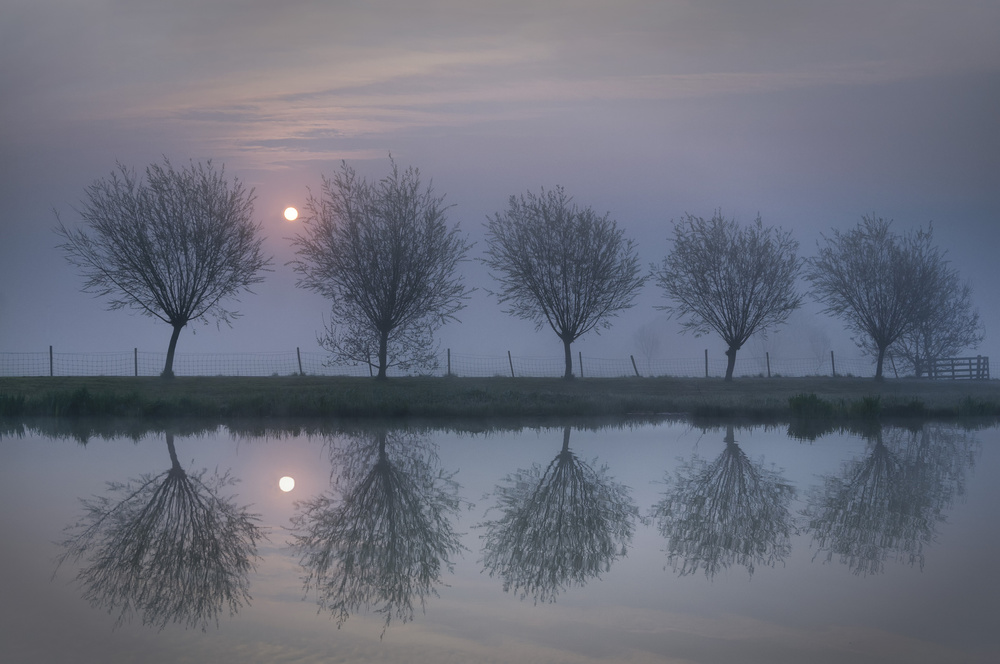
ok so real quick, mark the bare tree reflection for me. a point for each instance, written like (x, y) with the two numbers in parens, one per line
(559, 526)
(165, 547)
(887, 505)
(730, 511)
(380, 538)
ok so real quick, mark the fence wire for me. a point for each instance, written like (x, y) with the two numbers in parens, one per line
(295, 362)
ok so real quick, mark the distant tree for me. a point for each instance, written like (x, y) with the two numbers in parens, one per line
(948, 323)
(385, 257)
(173, 246)
(817, 340)
(882, 284)
(734, 280)
(560, 265)
(647, 340)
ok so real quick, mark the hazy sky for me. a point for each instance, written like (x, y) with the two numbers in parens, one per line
(809, 113)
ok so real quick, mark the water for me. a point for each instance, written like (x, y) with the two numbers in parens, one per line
(652, 543)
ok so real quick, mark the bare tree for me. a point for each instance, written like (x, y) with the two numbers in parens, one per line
(557, 527)
(948, 324)
(384, 255)
(380, 538)
(882, 284)
(174, 246)
(734, 280)
(647, 340)
(732, 510)
(818, 342)
(887, 505)
(561, 265)
(166, 547)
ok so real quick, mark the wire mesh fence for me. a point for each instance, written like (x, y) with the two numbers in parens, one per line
(296, 362)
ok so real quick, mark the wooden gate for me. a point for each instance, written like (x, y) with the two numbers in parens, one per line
(974, 368)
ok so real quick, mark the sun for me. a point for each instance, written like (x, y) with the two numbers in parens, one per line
(291, 214)
(286, 484)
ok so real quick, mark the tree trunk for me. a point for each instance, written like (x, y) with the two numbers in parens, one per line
(569, 359)
(878, 363)
(168, 368)
(175, 464)
(731, 363)
(383, 355)
(382, 456)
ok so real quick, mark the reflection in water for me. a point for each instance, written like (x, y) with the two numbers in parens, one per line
(886, 506)
(165, 547)
(380, 538)
(949, 612)
(557, 527)
(730, 511)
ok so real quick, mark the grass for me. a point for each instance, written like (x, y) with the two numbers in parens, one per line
(760, 399)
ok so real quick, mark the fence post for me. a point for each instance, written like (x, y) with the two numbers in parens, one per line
(51, 366)
(580, 355)
(511, 362)
(449, 363)
(833, 365)
(767, 356)
(706, 363)
(298, 354)
(634, 368)
(135, 357)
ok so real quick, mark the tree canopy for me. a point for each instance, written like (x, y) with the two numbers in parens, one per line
(557, 527)
(561, 265)
(168, 548)
(947, 324)
(384, 255)
(735, 280)
(380, 538)
(887, 504)
(174, 246)
(729, 511)
(886, 286)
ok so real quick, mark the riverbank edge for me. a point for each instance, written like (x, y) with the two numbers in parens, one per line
(758, 399)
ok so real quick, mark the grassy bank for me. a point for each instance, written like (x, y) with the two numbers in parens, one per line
(220, 398)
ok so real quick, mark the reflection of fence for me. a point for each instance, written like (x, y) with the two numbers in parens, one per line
(141, 363)
(975, 368)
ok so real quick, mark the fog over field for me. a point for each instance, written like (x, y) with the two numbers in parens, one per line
(809, 114)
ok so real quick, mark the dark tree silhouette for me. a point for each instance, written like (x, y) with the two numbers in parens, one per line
(948, 323)
(381, 538)
(557, 526)
(887, 505)
(730, 511)
(174, 246)
(165, 547)
(384, 255)
(880, 283)
(737, 281)
(560, 265)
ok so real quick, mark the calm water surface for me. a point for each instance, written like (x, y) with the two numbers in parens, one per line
(656, 543)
